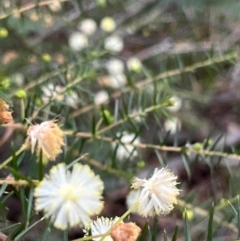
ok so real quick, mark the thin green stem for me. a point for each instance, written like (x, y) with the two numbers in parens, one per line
(199, 211)
(131, 116)
(10, 158)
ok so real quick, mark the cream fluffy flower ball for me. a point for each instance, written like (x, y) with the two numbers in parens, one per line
(46, 137)
(157, 194)
(114, 43)
(69, 198)
(108, 24)
(88, 26)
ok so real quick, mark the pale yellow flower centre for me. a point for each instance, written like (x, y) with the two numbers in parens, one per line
(68, 193)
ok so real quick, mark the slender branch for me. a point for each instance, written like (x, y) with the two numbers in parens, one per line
(186, 149)
(35, 114)
(13, 182)
(47, 76)
(164, 75)
(86, 135)
(29, 7)
(131, 116)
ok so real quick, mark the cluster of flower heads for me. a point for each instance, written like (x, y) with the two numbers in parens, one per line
(113, 229)
(113, 43)
(79, 39)
(70, 195)
(58, 93)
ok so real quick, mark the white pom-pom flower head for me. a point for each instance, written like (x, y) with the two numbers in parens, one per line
(78, 41)
(69, 198)
(101, 226)
(157, 194)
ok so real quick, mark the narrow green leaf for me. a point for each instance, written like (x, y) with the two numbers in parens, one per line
(75, 161)
(3, 188)
(187, 230)
(233, 208)
(144, 233)
(46, 232)
(27, 111)
(6, 198)
(238, 217)
(154, 229)
(40, 166)
(17, 231)
(93, 125)
(65, 235)
(19, 175)
(29, 206)
(73, 147)
(165, 235)
(22, 234)
(186, 164)
(14, 160)
(165, 139)
(23, 201)
(130, 101)
(210, 224)
(175, 234)
(5, 98)
(9, 227)
(116, 110)
(215, 143)
(160, 159)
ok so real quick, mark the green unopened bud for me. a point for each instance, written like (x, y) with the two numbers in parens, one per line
(102, 3)
(223, 201)
(3, 33)
(5, 83)
(38, 102)
(208, 142)
(107, 116)
(189, 214)
(21, 94)
(141, 164)
(134, 64)
(46, 57)
(197, 146)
